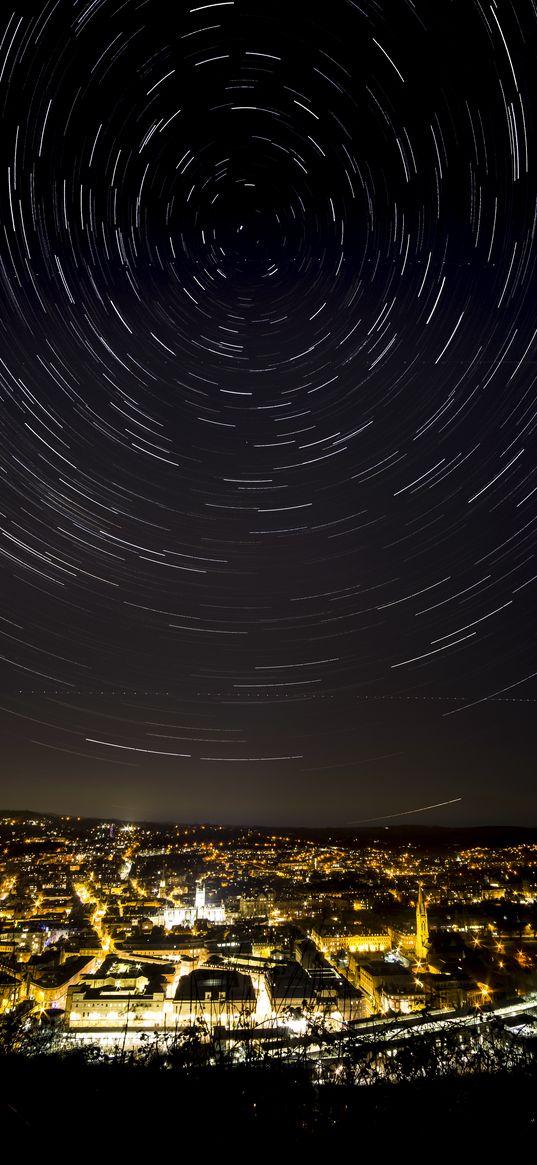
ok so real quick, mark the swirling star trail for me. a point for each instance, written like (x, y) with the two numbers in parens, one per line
(267, 378)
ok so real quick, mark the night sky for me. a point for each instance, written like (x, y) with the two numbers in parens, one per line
(268, 403)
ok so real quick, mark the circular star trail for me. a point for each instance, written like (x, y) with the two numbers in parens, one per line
(267, 527)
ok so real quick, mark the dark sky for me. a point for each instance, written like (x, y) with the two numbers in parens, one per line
(267, 367)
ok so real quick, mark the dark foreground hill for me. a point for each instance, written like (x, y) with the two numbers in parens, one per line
(253, 1113)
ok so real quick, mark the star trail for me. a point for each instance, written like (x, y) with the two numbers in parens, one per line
(267, 373)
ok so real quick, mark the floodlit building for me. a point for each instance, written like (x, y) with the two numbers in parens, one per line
(218, 995)
(335, 937)
(450, 991)
(288, 986)
(171, 916)
(391, 987)
(122, 994)
(49, 986)
(258, 907)
(188, 915)
(321, 991)
(181, 948)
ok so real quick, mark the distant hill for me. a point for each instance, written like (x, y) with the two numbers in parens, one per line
(428, 836)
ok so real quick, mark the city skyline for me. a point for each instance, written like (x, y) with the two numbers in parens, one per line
(268, 484)
(377, 965)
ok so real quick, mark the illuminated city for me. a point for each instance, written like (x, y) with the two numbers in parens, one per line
(112, 932)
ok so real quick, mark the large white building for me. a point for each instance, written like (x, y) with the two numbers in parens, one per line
(123, 992)
(187, 915)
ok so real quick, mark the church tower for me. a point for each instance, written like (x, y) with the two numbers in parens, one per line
(422, 928)
(199, 901)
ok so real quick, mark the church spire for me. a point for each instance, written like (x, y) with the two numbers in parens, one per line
(422, 927)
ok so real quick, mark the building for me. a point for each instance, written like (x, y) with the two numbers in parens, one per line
(258, 907)
(217, 995)
(12, 990)
(288, 987)
(335, 937)
(422, 928)
(187, 915)
(181, 948)
(403, 938)
(334, 996)
(49, 985)
(170, 916)
(333, 993)
(123, 995)
(450, 992)
(391, 987)
(321, 992)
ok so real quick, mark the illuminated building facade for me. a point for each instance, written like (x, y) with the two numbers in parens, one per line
(218, 995)
(136, 995)
(330, 939)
